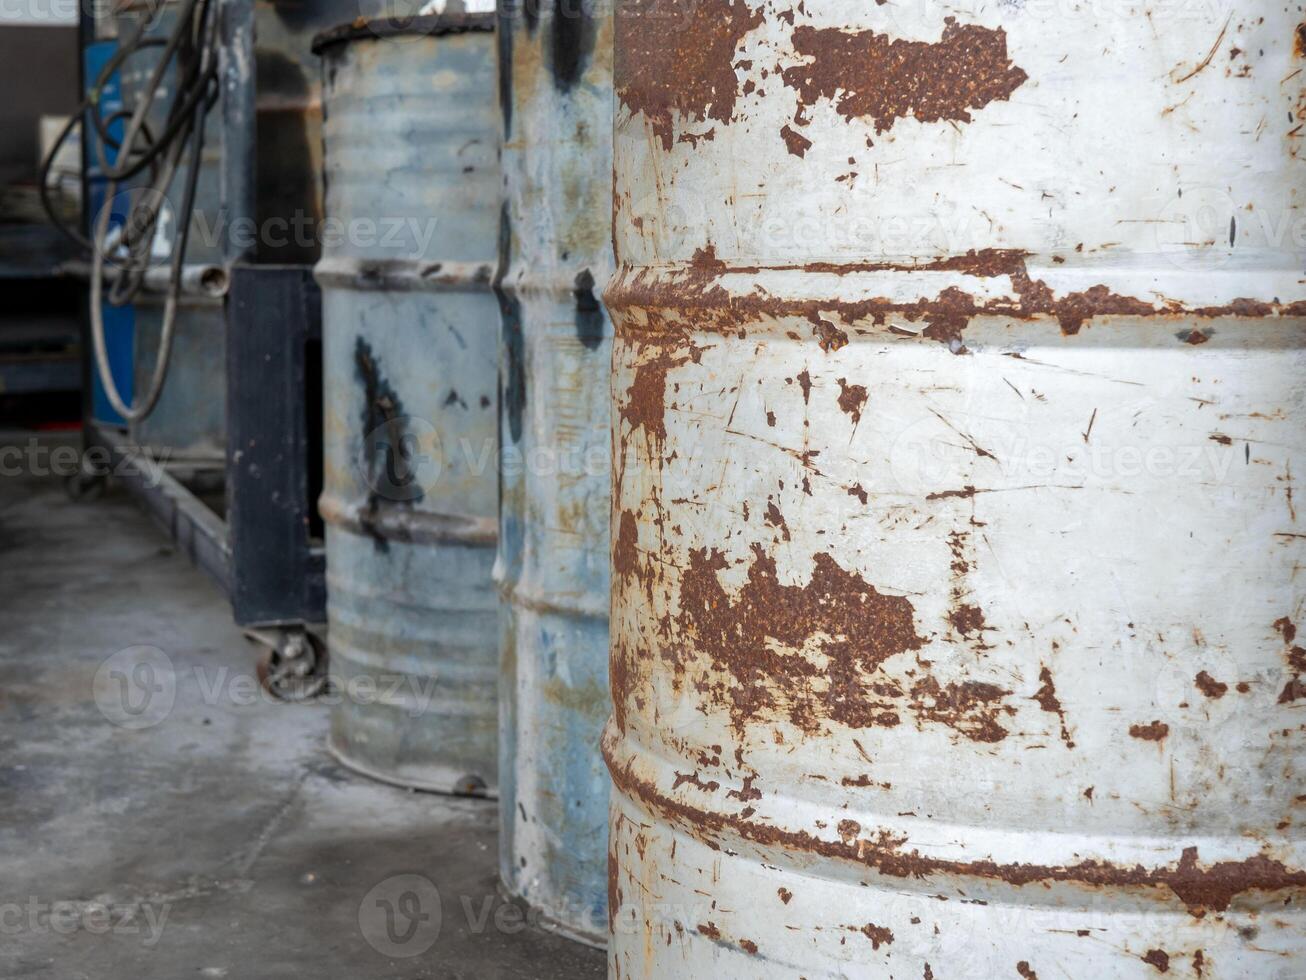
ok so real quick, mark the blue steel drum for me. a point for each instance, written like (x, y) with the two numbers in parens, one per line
(556, 107)
(409, 374)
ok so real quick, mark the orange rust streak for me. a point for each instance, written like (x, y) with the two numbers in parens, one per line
(1201, 889)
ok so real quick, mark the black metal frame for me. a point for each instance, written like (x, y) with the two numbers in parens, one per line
(274, 369)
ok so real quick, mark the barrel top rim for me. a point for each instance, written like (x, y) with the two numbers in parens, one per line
(379, 28)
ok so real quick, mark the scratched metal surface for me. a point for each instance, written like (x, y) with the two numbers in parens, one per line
(956, 560)
(409, 364)
(556, 112)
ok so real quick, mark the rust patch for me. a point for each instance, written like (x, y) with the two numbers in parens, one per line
(710, 930)
(1023, 968)
(805, 382)
(852, 399)
(1159, 959)
(797, 143)
(776, 519)
(696, 781)
(1047, 699)
(971, 707)
(748, 946)
(1209, 686)
(866, 75)
(1155, 732)
(966, 619)
(785, 894)
(853, 626)
(965, 493)
(645, 404)
(625, 549)
(620, 682)
(828, 336)
(878, 935)
(1200, 889)
(705, 260)
(680, 59)
(1295, 689)
(614, 889)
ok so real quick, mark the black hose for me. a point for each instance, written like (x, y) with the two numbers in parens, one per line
(192, 46)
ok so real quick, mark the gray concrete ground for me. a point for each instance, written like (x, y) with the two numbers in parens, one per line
(206, 833)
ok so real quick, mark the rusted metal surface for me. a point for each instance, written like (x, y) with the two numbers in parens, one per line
(556, 108)
(410, 392)
(956, 553)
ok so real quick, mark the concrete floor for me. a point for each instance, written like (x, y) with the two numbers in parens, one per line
(217, 838)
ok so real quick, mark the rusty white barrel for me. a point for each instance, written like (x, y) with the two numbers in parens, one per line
(556, 106)
(958, 543)
(409, 366)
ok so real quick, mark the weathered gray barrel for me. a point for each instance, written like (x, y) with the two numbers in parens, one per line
(409, 367)
(556, 99)
(958, 534)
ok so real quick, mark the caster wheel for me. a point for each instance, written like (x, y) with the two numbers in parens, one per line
(293, 665)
